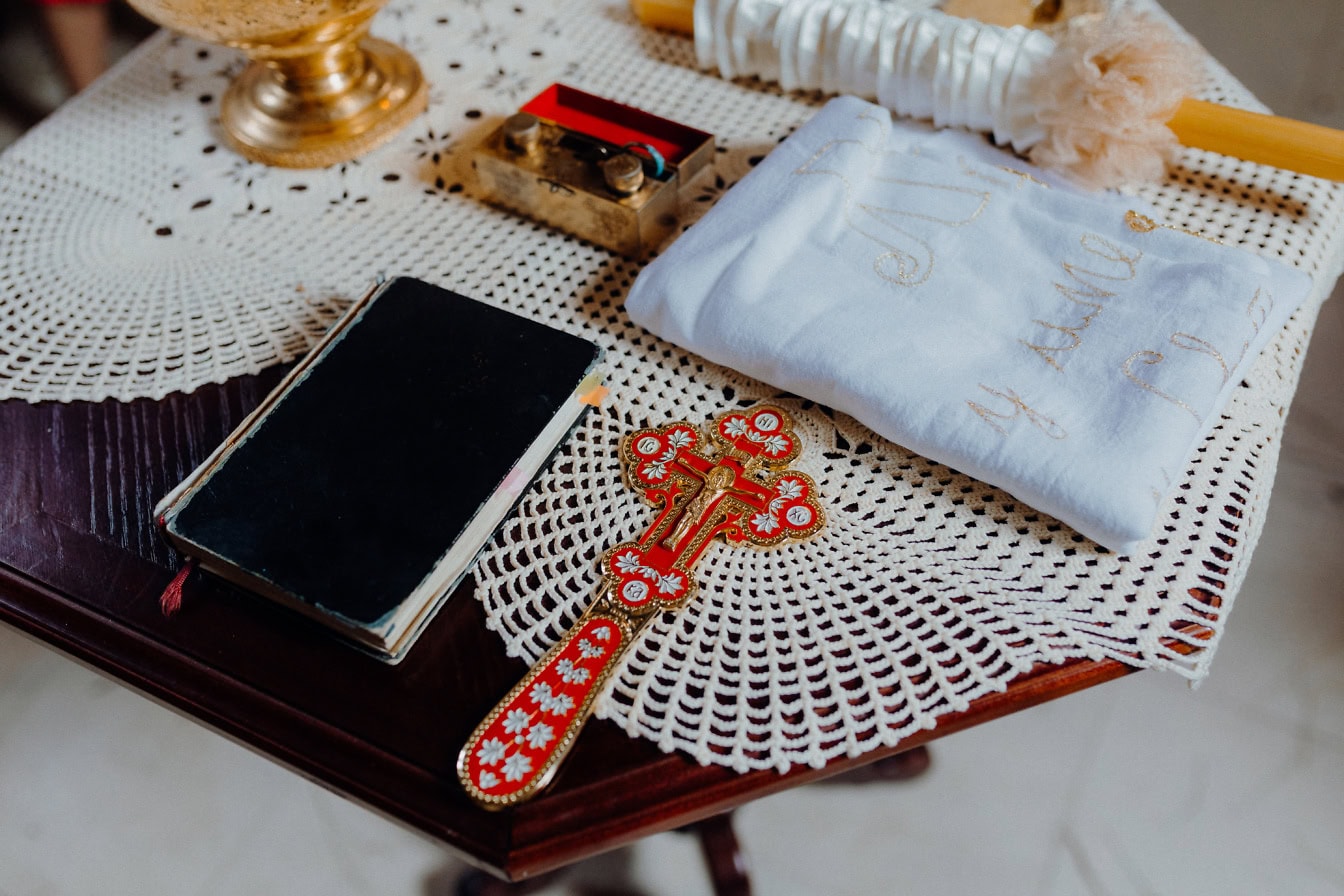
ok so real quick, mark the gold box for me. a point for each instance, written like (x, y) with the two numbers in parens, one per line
(606, 172)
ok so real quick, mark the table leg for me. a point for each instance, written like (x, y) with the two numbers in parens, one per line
(727, 865)
(723, 854)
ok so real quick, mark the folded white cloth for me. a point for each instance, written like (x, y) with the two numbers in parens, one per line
(1059, 345)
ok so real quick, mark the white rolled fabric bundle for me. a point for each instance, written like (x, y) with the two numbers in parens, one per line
(1093, 104)
(918, 62)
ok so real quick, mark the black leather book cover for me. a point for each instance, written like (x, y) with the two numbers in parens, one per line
(347, 490)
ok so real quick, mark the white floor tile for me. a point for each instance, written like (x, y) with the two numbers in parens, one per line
(981, 820)
(105, 792)
(1282, 656)
(668, 864)
(1191, 797)
(1315, 433)
(16, 651)
(314, 843)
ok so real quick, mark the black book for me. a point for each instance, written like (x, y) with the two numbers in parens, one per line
(364, 486)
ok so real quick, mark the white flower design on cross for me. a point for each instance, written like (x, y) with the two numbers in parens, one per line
(558, 704)
(679, 438)
(516, 766)
(491, 751)
(670, 584)
(516, 721)
(765, 522)
(539, 735)
(629, 562)
(570, 673)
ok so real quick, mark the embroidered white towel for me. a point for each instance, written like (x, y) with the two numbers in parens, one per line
(1055, 344)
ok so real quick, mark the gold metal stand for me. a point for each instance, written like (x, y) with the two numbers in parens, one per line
(319, 90)
(312, 112)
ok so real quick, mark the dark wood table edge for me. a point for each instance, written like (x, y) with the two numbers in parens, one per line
(666, 792)
(70, 628)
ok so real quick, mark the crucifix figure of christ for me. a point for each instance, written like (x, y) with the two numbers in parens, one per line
(735, 485)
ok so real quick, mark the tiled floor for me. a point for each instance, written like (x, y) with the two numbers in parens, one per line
(1142, 786)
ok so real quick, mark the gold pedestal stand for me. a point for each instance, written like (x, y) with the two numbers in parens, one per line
(311, 112)
(319, 90)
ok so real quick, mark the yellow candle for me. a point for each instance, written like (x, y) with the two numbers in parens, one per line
(1282, 142)
(673, 15)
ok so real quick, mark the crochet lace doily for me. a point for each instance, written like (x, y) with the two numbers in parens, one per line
(138, 256)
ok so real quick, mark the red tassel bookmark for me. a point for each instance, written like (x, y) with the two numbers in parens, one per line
(171, 599)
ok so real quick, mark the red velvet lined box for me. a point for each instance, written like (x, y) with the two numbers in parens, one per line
(615, 122)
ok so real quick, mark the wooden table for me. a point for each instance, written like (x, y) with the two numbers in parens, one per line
(82, 568)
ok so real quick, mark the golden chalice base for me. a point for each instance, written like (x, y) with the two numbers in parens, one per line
(269, 119)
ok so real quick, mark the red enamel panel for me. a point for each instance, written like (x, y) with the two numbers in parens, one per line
(514, 752)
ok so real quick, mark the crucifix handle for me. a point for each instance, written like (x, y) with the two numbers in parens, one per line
(516, 750)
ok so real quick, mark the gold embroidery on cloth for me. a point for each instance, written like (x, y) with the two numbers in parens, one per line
(1263, 307)
(908, 259)
(1151, 358)
(1140, 223)
(1082, 292)
(1021, 178)
(1202, 346)
(1257, 312)
(1019, 406)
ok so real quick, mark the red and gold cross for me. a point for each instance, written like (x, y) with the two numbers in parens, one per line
(734, 486)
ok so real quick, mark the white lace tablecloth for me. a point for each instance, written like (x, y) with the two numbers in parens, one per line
(139, 256)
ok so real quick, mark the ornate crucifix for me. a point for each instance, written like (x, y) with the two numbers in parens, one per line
(737, 488)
